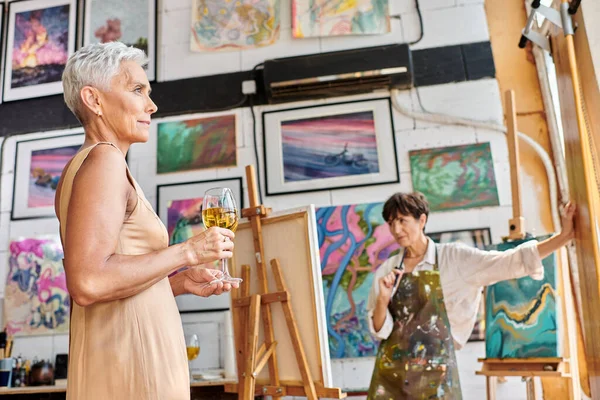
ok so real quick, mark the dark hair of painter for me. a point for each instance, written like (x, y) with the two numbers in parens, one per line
(414, 204)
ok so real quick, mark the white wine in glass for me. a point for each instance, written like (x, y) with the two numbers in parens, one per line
(219, 209)
(192, 346)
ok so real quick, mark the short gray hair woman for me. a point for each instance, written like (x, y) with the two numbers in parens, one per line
(126, 336)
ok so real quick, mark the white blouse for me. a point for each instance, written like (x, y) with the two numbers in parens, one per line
(464, 271)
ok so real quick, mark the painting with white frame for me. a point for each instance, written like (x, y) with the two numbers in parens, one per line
(331, 146)
(47, 77)
(129, 19)
(33, 196)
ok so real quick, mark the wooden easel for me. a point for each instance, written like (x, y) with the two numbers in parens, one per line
(527, 368)
(247, 309)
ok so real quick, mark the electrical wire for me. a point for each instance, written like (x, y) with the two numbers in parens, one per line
(420, 23)
(493, 126)
(254, 137)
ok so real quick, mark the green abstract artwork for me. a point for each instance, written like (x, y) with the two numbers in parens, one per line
(196, 144)
(456, 177)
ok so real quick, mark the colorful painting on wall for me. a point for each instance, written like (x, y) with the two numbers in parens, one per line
(522, 315)
(193, 144)
(456, 177)
(36, 301)
(41, 37)
(329, 146)
(180, 205)
(234, 25)
(38, 166)
(345, 144)
(353, 242)
(128, 21)
(313, 18)
(481, 239)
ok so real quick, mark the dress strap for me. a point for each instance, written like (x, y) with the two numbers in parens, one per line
(67, 184)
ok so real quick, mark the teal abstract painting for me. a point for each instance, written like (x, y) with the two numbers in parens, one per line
(522, 315)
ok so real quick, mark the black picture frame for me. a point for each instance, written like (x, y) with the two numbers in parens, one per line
(387, 157)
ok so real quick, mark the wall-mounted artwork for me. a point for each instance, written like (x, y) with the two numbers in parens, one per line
(40, 39)
(339, 17)
(129, 21)
(36, 301)
(456, 177)
(38, 166)
(481, 239)
(180, 205)
(354, 241)
(1, 41)
(199, 143)
(234, 25)
(522, 316)
(329, 146)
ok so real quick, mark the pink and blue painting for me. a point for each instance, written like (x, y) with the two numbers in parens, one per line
(41, 46)
(46, 167)
(184, 219)
(36, 300)
(329, 146)
(354, 241)
(522, 316)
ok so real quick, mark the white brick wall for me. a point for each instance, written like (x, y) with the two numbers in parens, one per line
(447, 22)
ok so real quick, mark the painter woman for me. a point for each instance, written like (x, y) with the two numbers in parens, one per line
(424, 300)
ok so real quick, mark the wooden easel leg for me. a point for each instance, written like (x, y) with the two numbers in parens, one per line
(490, 387)
(241, 315)
(531, 391)
(251, 342)
(309, 386)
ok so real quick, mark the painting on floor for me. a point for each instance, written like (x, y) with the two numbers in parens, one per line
(456, 177)
(353, 242)
(194, 144)
(36, 301)
(481, 239)
(234, 25)
(315, 18)
(127, 21)
(40, 39)
(522, 315)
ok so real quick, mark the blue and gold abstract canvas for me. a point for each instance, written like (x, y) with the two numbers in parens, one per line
(522, 315)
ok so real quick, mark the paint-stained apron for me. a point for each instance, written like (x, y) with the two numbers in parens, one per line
(417, 360)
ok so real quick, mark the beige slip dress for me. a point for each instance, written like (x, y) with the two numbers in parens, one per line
(132, 348)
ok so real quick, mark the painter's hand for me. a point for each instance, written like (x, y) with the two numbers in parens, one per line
(197, 281)
(568, 220)
(386, 285)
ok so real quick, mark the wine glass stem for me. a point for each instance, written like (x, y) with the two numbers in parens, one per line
(190, 371)
(224, 268)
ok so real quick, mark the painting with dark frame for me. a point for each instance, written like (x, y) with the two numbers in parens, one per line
(329, 146)
(132, 22)
(179, 205)
(481, 239)
(38, 166)
(40, 38)
(1, 43)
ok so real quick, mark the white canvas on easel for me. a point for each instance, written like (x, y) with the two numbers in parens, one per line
(291, 237)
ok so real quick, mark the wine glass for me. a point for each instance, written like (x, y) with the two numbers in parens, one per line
(192, 346)
(219, 209)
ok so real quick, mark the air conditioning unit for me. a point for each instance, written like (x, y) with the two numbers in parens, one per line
(338, 73)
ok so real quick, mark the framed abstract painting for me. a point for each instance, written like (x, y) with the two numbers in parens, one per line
(320, 18)
(38, 166)
(455, 177)
(219, 25)
(180, 205)
(203, 142)
(354, 241)
(40, 39)
(132, 22)
(329, 146)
